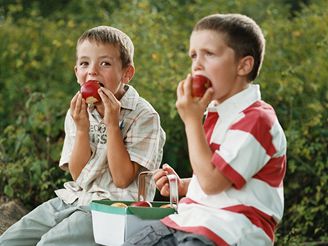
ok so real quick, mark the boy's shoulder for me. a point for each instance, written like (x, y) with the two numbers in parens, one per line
(259, 108)
(259, 114)
(135, 103)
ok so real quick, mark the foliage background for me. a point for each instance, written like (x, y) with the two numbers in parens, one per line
(37, 55)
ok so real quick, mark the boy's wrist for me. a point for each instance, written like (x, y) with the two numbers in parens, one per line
(192, 125)
(184, 186)
(113, 127)
(82, 133)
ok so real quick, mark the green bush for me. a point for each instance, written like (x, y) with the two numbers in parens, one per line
(37, 55)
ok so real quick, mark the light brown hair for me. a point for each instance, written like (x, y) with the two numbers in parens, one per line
(114, 36)
(241, 33)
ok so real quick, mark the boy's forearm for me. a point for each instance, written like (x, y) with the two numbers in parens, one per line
(199, 151)
(123, 171)
(80, 155)
(185, 185)
(210, 178)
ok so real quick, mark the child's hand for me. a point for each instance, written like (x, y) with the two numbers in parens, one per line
(190, 108)
(78, 109)
(112, 107)
(162, 183)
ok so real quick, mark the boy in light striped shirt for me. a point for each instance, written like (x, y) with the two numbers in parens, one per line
(238, 155)
(107, 144)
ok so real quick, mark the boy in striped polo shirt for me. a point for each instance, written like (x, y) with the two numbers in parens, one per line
(238, 156)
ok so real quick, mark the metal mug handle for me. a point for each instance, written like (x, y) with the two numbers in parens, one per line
(174, 194)
(142, 183)
(173, 184)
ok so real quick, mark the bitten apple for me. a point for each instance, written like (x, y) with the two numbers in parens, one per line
(199, 85)
(89, 91)
(141, 204)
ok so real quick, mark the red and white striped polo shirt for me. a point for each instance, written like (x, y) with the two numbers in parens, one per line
(249, 148)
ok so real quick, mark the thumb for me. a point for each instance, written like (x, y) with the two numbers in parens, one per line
(167, 168)
(207, 98)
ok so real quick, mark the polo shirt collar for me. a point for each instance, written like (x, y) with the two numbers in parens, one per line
(237, 102)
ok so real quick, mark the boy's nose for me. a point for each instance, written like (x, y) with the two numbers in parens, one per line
(197, 65)
(92, 73)
(92, 70)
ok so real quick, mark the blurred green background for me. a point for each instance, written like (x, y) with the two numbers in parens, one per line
(37, 82)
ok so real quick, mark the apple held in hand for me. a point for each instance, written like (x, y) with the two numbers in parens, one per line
(141, 204)
(199, 85)
(89, 91)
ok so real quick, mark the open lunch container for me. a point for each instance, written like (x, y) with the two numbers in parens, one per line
(112, 225)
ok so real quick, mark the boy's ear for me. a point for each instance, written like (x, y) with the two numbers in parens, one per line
(128, 74)
(75, 71)
(245, 65)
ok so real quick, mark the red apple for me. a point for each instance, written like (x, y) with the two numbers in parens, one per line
(199, 85)
(89, 91)
(141, 204)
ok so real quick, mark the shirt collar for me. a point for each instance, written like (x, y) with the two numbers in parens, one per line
(237, 102)
(130, 98)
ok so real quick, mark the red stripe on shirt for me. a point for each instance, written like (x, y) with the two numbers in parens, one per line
(237, 180)
(214, 147)
(199, 230)
(273, 172)
(256, 216)
(187, 200)
(258, 120)
(209, 124)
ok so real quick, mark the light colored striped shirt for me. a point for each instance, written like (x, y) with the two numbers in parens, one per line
(144, 140)
(249, 148)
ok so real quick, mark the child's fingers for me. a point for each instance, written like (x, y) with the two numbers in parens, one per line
(165, 191)
(73, 101)
(187, 86)
(109, 99)
(106, 94)
(78, 103)
(160, 173)
(207, 98)
(160, 183)
(180, 89)
(83, 105)
(169, 170)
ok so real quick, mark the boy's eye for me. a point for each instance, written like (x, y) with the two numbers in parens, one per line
(193, 55)
(104, 63)
(84, 64)
(208, 53)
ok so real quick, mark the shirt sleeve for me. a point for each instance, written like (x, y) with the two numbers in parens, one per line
(246, 149)
(70, 131)
(145, 139)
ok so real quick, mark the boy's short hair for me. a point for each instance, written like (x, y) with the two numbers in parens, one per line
(242, 34)
(114, 36)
